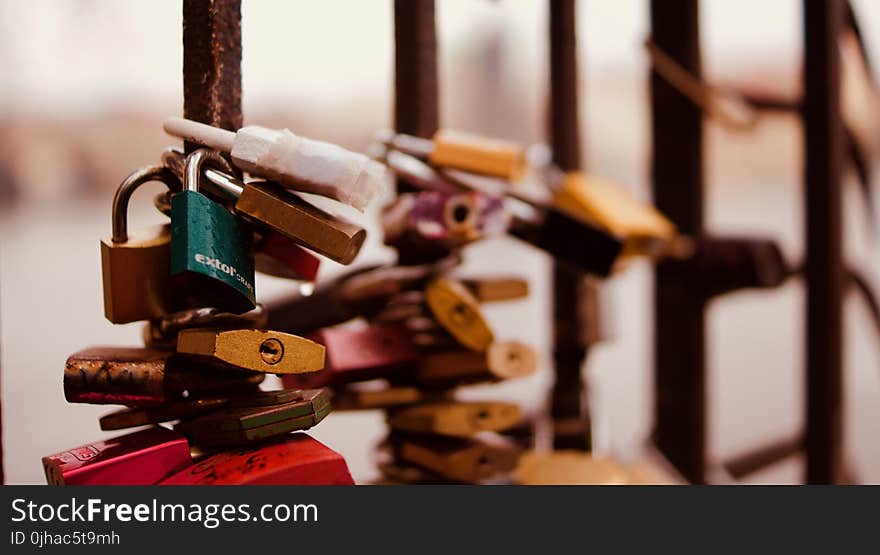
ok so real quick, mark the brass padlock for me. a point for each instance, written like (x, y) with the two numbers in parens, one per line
(502, 360)
(468, 461)
(270, 206)
(491, 289)
(642, 228)
(136, 267)
(271, 352)
(466, 152)
(456, 309)
(362, 398)
(455, 418)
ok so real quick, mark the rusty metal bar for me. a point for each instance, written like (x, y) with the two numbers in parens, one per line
(212, 63)
(415, 66)
(572, 426)
(824, 275)
(679, 320)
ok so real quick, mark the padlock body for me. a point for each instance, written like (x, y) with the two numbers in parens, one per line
(211, 256)
(137, 276)
(477, 154)
(295, 459)
(139, 458)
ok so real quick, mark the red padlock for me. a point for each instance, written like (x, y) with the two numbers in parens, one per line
(137, 459)
(296, 459)
(358, 354)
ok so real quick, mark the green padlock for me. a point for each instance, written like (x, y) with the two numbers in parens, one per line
(211, 255)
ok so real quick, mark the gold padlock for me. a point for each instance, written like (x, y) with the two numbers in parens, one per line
(464, 151)
(271, 352)
(455, 418)
(462, 460)
(456, 309)
(357, 398)
(491, 289)
(136, 267)
(502, 360)
(642, 228)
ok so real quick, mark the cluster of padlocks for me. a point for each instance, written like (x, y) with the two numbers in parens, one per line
(401, 337)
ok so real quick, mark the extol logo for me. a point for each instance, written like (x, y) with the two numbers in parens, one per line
(223, 267)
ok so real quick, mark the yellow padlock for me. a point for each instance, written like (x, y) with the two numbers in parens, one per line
(455, 418)
(271, 352)
(643, 229)
(457, 310)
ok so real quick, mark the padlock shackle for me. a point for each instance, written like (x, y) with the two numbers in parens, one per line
(125, 190)
(194, 163)
(228, 185)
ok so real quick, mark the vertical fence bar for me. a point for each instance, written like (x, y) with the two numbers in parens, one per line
(212, 63)
(824, 149)
(572, 427)
(415, 68)
(677, 166)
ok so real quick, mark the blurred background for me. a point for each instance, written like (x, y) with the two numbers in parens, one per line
(86, 83)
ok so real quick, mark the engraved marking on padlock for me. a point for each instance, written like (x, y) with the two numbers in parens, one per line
(210, 248)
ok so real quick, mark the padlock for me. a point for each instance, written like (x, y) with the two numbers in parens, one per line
(456, 309)
(468, 461)
(431, 219)
(719, 265)
(265, 351)
(134, 417)
(139, 377)
(454, 418)
(567, 237)
(161, 333)
(275, 210)
(503, 360)
(464, 151)
(137, 459)
(276, 255)
(136, 267)
(358, 354)
(394, 473)
(295, 459)
(364, 398)
(211, 256)
(641, 227)
(238, 425)
(492, 289)
(360, 293)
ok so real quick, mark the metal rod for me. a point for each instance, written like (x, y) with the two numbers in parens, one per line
(415, 63)
(824, 151)
(212, 63)
(569, 409)
(679, 326)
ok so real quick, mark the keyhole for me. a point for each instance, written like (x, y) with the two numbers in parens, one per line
(460, 314)
(460, 213)
(271, 351)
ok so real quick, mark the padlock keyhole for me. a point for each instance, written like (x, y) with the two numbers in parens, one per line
(271, 351)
